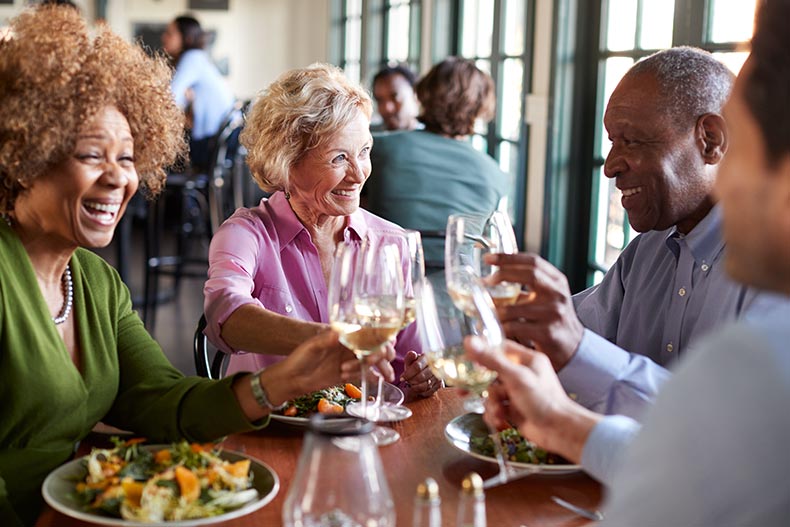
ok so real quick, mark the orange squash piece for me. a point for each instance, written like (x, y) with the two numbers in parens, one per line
(163, 457)
(290, 411)
(353, 392)
(133, 490)
(328, 407)
(239, 469)
(188, 483)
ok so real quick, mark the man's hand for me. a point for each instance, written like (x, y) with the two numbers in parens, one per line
(543, 318)
(528, 395)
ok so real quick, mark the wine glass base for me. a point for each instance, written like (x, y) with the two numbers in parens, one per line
(384, 413)
(384, 436)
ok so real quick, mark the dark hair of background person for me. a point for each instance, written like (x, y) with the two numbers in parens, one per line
(453, 95)
(51, 58)
(397, 69)
(60, 2)
(192, 34)
(692, 82)
(767, 83)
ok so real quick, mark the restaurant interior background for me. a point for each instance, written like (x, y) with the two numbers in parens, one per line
(554, 63)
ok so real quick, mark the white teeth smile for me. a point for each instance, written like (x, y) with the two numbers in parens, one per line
(631, 191)
(347, 193)
(104, 207)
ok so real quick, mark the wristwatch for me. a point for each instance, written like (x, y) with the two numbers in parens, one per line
(260, 394)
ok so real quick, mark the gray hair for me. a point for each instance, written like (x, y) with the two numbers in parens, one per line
(691, 80)
(299, 111)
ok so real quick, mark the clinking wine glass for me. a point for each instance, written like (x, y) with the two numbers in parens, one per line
(414, 273)
(445, 324)
(468, 238)
(366, 296)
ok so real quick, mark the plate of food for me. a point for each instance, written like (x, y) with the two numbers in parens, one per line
(330, 401)
(182, 485)
(470, 434)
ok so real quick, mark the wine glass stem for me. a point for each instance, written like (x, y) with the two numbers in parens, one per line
(504, 470)
(364, 388)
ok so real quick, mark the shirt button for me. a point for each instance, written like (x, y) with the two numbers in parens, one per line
(288, 308)
(670, 347)
(682, 291)
(705, 268)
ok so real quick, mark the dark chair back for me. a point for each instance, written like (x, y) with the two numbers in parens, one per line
(209, 362)
(437, 238)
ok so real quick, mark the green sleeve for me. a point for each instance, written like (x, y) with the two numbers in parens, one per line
(8, 517)
(155, 399)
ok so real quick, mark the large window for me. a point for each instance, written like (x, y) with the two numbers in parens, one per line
(630, 30)
(495, 33)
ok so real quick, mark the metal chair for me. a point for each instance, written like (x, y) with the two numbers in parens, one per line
(201, 201)
(214, 367)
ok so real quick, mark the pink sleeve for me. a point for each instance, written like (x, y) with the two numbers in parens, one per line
(408, 339)
(234, 253)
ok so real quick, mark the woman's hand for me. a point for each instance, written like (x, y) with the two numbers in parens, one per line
(419, 376)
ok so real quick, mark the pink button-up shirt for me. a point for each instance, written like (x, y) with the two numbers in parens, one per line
(265, 256)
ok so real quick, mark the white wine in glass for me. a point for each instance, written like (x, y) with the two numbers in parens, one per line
(468, 238)
(366, 292)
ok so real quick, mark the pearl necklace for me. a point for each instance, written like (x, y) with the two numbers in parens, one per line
(68, 289)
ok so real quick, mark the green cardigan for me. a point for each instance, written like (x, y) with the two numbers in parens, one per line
(125, 379)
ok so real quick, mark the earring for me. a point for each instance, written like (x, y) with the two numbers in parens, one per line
(287, 194)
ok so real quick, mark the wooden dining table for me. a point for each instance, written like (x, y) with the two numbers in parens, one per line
(422, 451)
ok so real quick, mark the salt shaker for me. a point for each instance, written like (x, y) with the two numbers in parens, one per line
(471, 502)
(427, 505)
(339, 480)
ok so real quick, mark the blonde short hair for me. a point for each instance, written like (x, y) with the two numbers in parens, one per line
(55, 76)
(298, 112)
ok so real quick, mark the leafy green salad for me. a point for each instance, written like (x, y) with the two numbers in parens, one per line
(516, 448)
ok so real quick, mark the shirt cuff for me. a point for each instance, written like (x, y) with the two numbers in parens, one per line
(605, 445)
(592, 371)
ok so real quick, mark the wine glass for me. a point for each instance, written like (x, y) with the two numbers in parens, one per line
(445, 324)
(468, 238)
(366, 295)
(414, 273)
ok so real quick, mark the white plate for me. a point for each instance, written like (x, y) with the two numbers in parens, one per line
(460, 431)
(59, 492)
(391, 393)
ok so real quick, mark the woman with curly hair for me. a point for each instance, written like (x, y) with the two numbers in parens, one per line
(84, 119)
(308, 142)
(420, 177)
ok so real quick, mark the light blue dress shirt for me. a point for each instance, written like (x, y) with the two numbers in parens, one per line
(664, 292)
(213, 99)
(714, 448)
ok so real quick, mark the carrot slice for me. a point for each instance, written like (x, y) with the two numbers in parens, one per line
(353, 392)
(290, 411)
(328, 407)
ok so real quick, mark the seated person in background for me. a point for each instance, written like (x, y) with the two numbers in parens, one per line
(72, 350)
(422, 176)
(393, 89)
(612, 343)
(713, 449)
(308, 141)
(197, 84)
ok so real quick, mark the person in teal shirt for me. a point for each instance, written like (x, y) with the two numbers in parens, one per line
(420, 177)
(85, 119)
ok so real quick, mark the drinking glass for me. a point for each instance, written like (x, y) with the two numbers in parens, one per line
(444, 324)
(366, 295)
(468, 238)
(414, 273)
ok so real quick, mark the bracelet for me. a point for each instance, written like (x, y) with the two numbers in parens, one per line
(260, 394)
